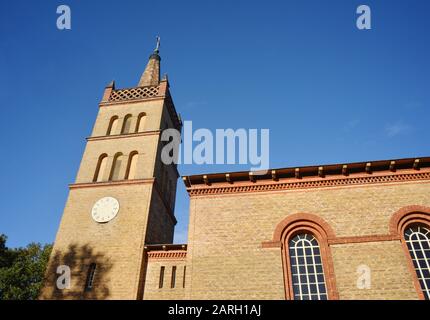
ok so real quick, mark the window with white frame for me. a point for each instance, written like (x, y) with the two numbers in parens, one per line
(417, 238)
(307, 272)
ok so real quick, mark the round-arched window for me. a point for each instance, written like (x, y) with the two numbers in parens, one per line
(307, 270)
(417, 238)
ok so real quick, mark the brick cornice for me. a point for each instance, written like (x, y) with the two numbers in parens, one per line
(308, 183)
(122, 136)
(110, 183)
(167, 255)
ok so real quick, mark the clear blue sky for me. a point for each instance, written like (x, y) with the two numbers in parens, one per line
(328, 92)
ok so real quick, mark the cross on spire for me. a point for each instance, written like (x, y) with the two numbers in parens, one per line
(157, 48)
(151, 75)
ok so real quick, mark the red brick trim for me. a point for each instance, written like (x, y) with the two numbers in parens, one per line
(400, 220)
(310, 183)
(304, 219)
(343, 240)
(271, 244)
(110, 183)
(361, 239)
(289, 227)
(167, 255)
(128, 135)
(401, 217)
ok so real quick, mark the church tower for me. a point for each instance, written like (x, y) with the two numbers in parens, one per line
(123, 197)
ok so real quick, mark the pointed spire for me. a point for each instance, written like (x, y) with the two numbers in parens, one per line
(151, 75)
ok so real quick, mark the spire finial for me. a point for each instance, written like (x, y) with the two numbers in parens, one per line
(151, 75)
(157, 48)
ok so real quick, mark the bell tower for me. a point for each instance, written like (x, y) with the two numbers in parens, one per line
(123, 196)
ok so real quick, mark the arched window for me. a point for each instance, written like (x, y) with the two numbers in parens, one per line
(132, 165)
(307, 273)
(113, 124)
(306, 257)
(116, 167)
(411, 224)
(101, 168)
(140, 125)
(126, 124)
(417, 238)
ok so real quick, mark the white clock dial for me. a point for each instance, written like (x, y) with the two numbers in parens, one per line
(105, 209)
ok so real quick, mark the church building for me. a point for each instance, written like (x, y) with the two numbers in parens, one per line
(323, 232)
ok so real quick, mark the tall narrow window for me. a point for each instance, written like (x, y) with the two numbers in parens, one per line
(116, 167)
(126, 124)
(140, 125)
(183, 280)
(113, 124)
(131, 166)
(306, 268)
(90, 276)
(417, 238)
(161, 280)
(173, 281)
(101, 168)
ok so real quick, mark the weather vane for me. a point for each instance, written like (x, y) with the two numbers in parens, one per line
(157, 48)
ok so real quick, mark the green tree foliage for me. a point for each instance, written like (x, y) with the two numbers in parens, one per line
(22, 270)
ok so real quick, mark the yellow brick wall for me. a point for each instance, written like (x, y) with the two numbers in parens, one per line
(152, 290)
(116, 246)
(146, 146)
(225, 256)
(152, 108)
(390, 277)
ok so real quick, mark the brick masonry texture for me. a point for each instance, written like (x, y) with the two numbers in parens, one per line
(116, 246)
(227, 261)
(390, 278)
(145, 214)
(152, 290)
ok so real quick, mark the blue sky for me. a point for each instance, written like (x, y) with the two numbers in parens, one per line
(328, 92)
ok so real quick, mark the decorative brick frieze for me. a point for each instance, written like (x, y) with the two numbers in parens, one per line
(307, 184)
(167, 255)
(133, 93)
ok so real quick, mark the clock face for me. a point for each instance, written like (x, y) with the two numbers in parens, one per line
(105, 209)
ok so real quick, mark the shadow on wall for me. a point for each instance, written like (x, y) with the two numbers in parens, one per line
(81, 260)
